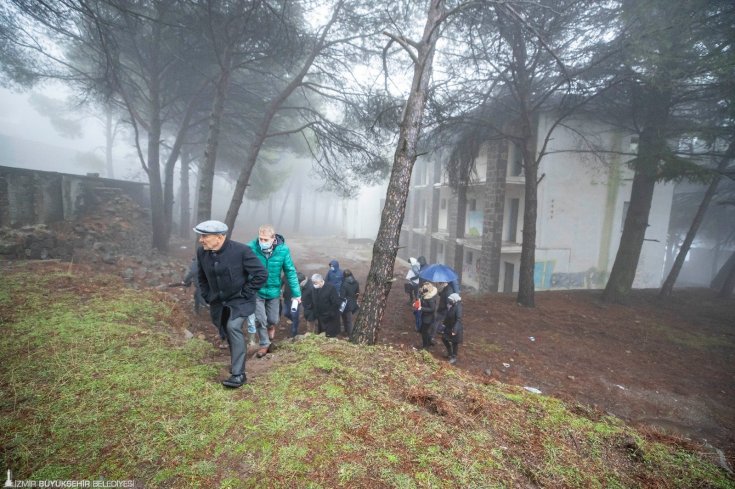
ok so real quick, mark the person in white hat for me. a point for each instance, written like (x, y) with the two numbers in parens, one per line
(229, 278)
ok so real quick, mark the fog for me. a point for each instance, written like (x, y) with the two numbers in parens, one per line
(29, 139)
(298, 206)
(324, 139)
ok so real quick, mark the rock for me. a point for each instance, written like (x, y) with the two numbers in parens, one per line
(188, 334)
(488, 371)
(109, 258)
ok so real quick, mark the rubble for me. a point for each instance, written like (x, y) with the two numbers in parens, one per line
(114, 232)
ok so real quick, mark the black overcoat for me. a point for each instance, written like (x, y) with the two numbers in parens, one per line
(453, 330)
(326, 308)
(350, 289)
(229, 278)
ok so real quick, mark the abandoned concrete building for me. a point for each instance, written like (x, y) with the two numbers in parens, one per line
(582, 201)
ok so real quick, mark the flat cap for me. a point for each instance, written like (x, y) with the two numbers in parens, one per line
(211, 227)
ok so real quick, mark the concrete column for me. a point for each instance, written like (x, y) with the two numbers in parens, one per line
(494, 204)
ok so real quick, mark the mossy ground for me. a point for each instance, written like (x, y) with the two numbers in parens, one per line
(96, 385)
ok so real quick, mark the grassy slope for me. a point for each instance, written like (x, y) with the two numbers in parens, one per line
(93, 386)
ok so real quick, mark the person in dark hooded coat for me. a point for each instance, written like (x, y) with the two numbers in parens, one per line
(349, 292)
(453, 331)
(334, 275)
(326, 304)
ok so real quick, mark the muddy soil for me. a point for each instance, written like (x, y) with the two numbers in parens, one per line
(662, 365)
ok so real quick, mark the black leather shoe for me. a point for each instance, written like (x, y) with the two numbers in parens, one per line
(235, 381)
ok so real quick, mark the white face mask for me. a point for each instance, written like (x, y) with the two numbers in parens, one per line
(318, 285)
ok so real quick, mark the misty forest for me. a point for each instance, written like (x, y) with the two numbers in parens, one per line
(505, 139)
(354, 91)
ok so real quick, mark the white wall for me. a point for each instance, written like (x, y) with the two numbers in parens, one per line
(577, 192)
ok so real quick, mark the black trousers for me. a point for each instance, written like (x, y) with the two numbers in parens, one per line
(452, 347)
(426, 334)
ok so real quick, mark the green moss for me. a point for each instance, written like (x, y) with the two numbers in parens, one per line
(101, 390)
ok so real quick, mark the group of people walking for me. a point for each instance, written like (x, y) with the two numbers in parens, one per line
(437, 308)
(245, 282)
(332, 303)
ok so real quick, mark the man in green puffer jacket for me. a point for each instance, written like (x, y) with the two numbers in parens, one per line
(272, 251)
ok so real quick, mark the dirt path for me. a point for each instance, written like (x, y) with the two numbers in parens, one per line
(670, 365)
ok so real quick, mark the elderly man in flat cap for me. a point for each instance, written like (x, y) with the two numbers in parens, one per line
(229, 278)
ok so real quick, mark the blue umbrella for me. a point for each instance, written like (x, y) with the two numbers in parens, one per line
(438, 273)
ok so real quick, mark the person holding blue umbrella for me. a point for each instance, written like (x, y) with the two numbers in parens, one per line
(446, 281)
(438, 272)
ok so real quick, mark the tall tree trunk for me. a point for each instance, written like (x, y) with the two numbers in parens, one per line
(631, 242)
(297, 210)
(526, 286)
(513, 32)
(158, 214)
(729, 283)
(721, 276)
(668, 284)
(206, 171)
(109, 141)
(173, 157)
(652, 147)
(461, 226)
(279, 223)
(184, 198)
(262, 132)
(380, 277)
(195, 201)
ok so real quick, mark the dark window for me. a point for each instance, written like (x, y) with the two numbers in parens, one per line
(444, 204)
(516, 162)
(513, 220)
(468, 258)
(508, 277)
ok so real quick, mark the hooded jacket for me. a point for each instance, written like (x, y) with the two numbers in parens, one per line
(428, 303)
(350, 289)
(334, 277)
(277, 261)
(453, 330)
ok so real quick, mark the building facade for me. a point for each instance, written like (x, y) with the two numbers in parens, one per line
(583, 191)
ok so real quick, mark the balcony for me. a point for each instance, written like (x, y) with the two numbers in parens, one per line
(510, 248)
(515, 180)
